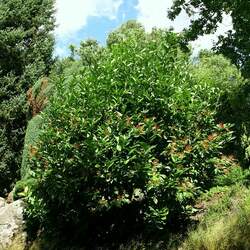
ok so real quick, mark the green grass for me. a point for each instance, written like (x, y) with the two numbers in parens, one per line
(226, 224)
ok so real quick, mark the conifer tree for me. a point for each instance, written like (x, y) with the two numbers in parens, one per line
(26, 47)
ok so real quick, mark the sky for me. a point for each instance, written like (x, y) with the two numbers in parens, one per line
(79, 20)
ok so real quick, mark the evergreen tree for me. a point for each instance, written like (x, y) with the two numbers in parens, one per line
(26, 46)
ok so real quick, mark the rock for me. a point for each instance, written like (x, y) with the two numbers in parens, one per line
(10, 198)
(2, 202)
(12, 234)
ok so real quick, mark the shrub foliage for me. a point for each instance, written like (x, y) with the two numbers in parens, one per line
(128, 140)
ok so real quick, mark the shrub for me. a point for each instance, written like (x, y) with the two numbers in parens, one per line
(39, 94)
(215, 70)
(38, 98)
(131, 135)
(235, 109)
(31, 138)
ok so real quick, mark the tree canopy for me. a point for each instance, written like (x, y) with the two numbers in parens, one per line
(207, 14)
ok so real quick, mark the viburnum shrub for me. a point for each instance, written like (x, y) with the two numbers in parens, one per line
(126, 142)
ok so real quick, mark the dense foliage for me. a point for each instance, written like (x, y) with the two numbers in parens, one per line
(207, 14)
(129, 132)
(26, 46)
(234, 102)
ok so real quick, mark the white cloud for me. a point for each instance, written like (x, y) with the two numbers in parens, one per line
(153, 13)
(60, 51)
(207, 41)
(72, 15)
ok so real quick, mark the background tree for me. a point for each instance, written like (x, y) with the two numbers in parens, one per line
(26, 46)
(90, 51)
(236, 43)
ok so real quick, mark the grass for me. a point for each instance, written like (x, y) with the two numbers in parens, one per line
(226, 224)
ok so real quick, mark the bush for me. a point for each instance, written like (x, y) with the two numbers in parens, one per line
(131, 135)
(235, 109)
(38, 99)
(31, 138)
(215, 70)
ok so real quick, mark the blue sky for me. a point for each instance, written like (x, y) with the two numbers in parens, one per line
(78, 20)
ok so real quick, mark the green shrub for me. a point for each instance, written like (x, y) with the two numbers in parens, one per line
(215, 70)
(235, 109)
(126, 142)
(233, 175)
(38, 97)
(31, 139)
